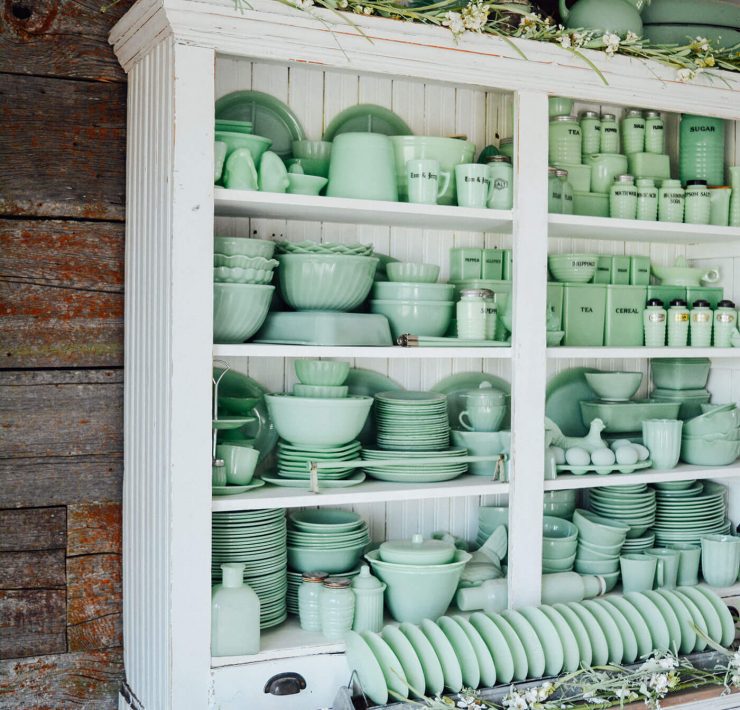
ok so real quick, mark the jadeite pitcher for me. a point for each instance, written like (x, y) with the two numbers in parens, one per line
(618, 16)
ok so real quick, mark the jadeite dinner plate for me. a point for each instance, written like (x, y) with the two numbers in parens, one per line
(674, 628)
(463, 650)
(233, 490)
(368, 383)
(361, 659)
(571, 654)
(455, 385)
(366, 118)
(393, 673)
(697, 618)
(549, 638)
(610, 629)
(685, 621)
(400, 477)
(707, 610)
(405, 653)
(496, 644)
(433, 677)
(579, 631)
(599, 645)
(634, 618)
(725, 618)
(532, 646)
(629, 641)
(515, 645)
(485, 660)
(447, 659)
(654, 620)
(565, 392)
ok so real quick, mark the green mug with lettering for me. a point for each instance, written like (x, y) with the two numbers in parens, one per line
(474, 185)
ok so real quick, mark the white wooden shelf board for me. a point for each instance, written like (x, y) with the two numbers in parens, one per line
(390, 353)
(567, 353)
(369, 491)
(632, 230)
(682, 472)
(272, 205)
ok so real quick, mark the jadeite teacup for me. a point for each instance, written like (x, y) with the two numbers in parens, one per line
(362, 167)
(239, 463)
(604, 168)
(662, 437)
(482, 416)
(666, 574)
(638, 572)
(688, 563)
(474, 185)
(720, 559)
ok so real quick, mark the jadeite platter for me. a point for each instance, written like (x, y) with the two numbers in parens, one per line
(571, 655)
(549, 639)
(389, 664)
(653, 619)
(697, 619)
(445, 653)
(599, 644)
(530, 642)
(362, 659)
(610, 629)
(405, 653)
(565, 392)
(631, 627)
(463, 650)
(366, 118)
(583, 640)
(515, 645)
(708, 612)
(685, 621)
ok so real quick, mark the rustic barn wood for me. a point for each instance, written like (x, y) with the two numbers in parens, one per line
(93, 587)
(62, 148)
(66, 38)
(101, 633)
(93, 528)
(70, 412)
(32, 622)
(32, 569)
(33, 529)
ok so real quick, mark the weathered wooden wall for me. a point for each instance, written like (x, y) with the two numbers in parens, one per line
(62, 152)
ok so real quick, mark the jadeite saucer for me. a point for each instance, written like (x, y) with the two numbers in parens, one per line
(234, 490)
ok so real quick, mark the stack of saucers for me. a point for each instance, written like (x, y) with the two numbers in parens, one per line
(634, 505)
(257, 538)
(293, 460)
(639, 544)
(295, 579)
(407, 471)
(412, 421)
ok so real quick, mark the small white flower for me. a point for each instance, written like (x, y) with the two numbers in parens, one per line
(303, 4)
(631, 37)
(686, 74)
(565, 41)
(454, 21)
(611, 43)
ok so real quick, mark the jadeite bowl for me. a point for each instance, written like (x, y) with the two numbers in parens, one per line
(318, 422)
(558, 529)
(616, 386)
(482, 443)
(315, 150)
(239, 310)
(408, 291)
(325, 520)
(558, 549)
(415, 317)
(321, 372)
(411, 272)
(680, 373)
(256, 145)
(416, 592)
(305, 184)
(596, 567)
(601, 531)
(320, 391)
(573, 268)
(604, 550)
(560, 504)
(331, 560)
(325, 282)
(448, 151)
(564, 564)
(238, 275)
(701, 452)
(586, 553)
(242, 246)
(712, 422)
(610, 579)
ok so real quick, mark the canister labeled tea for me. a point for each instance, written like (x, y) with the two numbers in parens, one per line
(623, 198)
(554, 192)
(609, 133)
(471, 313)
(654, 319)
(725, 324)
(697, 206)
(654, 133)
(633, 131)
(502, 182)
(647, 200)
(584, 312)
(700, 325)
(678, 324)
(670, 201)
(566, 192)
(564, 140)
(590, 132)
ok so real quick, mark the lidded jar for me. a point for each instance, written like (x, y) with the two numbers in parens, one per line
(654, 133)
(235, 614)
(623, 198)
(702, 149)
(502, 182)
(654, 320)
(590, 133)
(647, 199)
(554, 192)
(670, 201)
(725, 324)
(678, 324)
(633, 132)
(471, 313)
(308, 600)
(700, 324)
(566, 190)
(564, 140)
(418, 551)
(368, 591)
(336, 607)
(609, 133)
(697, 204)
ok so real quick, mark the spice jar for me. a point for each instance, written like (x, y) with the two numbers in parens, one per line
(308, 600)
(647, 199)
(623, 198)
(590, 133)
(471, 313)
(506, 147)
(725, 324)
(654, 321)
(633, 132)
(566, 190)
(654, 133)
(336, 607)
(218, 472)
(700, 324)
(502, 182)
(368, 593)
(609, 133)
(670, 201)
(697, 206)
(564, 140)
(678, 324)
(554, 192)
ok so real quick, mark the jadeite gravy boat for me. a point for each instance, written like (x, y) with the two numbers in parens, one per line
(681, 274)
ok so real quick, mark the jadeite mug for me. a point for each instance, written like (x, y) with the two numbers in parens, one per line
(688, 563)
(604, 168)
(425, 181)
(666, 573)
(662, 437)
(638, 572)
(362, 167)
(474, 185)
(239, 463)
(720, 559)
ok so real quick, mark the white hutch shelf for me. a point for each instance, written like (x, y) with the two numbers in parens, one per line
(181, 55)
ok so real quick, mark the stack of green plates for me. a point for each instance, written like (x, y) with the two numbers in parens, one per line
(293, 460)
(412, 421)
(634, 505)
(638, 544)
(684, 515)
(406, 472)
(294, 582)
(258, 539)
(246, 127)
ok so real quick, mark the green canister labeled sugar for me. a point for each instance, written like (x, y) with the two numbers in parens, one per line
(654, 133)
(590, 133)
(697, 202)
(623, 198)
(566, 192)
(678, 324)
(671, 201)
(655, 323)
(633, 132)
(647, 200)
(609, 133)
(554, 192)
(725, 324)
(700, 324)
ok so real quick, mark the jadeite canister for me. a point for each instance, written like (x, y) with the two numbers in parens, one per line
(466, 263)
(564, 140)
(368, 591)
(566, 191)
(725, 324)
(701, 149)
(555, 301)
(700, 324)
(654, 322)
(507, 268)
(308, 600)
(584, 310)
(609, 133)
(720, 197)
(336, 607)
(633, 131)
(623, 321)
(603, 273)
(362, 166)
(670, 201)
(654, 133)
(502, 182)
(647, 200)
(620, 271)
(734, 218)
(697, 206)
(590, 132)
(623, 198)
(640, 271)
(493, 264)
(554, 192)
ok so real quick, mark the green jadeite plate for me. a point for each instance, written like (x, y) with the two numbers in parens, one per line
(707, 610)
(674, 628)
(433, 677)
(530, 641)
(496, 644)
(485, 660)
(368, 383)
(599, 644)
(579, 631)
(725, 618)
(685, 620)
(403, 477)
(654, 620)
(233, 490)
(445, 653)
(366, 118)
(395, 678)
(549, 638)
(697, 619)
(463, 650)
(571, 655)
(565, 392)
(642, 636)
(455, 385)
(401, 646)
(610, 629)
(518, 653)
(353, 480)
(361, 659)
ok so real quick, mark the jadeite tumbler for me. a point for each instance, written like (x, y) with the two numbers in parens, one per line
(720, 559)
(662, 437)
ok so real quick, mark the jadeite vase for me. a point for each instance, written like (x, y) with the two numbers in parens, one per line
(618, 16)
(235, 615)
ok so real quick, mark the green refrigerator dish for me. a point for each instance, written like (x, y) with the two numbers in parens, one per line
(555, 299)
(584, 309)
(620, 273)
(713, 294)
(623, 321)
(666, 293)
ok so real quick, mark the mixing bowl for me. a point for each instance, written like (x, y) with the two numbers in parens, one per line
(239, 310)
(614, 386)
(242, 246)
(573, 268)
(411, 272)
(415, 317)
(408, 291)
(322, 372)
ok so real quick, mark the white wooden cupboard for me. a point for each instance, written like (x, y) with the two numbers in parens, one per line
(181, 55)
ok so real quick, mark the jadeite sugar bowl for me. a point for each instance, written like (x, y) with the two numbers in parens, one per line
(573, 268)
(417, 592)
(614, 386)
(417, 551)
(239, 310)
(318, 422)
(321, 372)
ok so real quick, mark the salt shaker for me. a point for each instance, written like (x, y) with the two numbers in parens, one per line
(368, 593)
(308, 600)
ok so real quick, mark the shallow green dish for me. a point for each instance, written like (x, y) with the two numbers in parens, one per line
(515, 645)
(575, 624)
(599, 645)
(571, 652)
(366, 118)
(393, 673)
(532, 647)
(496, 644)
(610, 629)
(405, 653)
(234, 490)
(634, 619)
(483, 655)
(549, 638)
(433, 677)
(361, 659)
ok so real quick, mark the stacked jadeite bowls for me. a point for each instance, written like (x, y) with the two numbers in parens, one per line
(685, 514)
(490, 517)
(560, 504)
(326, 540)
(681, 380)
(633, 505)
(559, 543)
(713, 437)
(600, 542)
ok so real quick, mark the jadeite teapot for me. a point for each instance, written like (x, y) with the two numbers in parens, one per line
(618, 16)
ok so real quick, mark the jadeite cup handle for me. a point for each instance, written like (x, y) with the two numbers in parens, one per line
(660, 572)
(443, 183)
(467, 425)
(710, 276)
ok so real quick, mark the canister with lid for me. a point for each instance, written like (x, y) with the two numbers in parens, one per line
(620, 271)
(590, 132)
(493, 264)
(472, 313)
(368, 592)
(654, 133)
(623, 198)
(502, 182)
(336, 607)
(491, 317)
(702, 149)
(308, 600)
(697, 206)
(725, 324)
(671, 201)
(584, 312)
(609, 133)
(647, 200)
(640, 270)
(603, 274)
(554, 192)
(623, 321)
(633, 131)
(654, 319)
(566, 191)
(564, 140)
(678, 324)
(700, 324)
